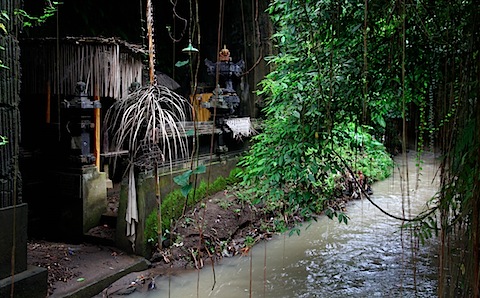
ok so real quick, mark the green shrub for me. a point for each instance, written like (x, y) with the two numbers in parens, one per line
(173, 203)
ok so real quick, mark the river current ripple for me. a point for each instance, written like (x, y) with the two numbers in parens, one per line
(369, 257)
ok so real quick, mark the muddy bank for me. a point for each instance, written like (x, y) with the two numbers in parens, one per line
(220, 226)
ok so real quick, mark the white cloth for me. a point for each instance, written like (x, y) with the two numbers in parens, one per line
(131, 215)
(241, 127)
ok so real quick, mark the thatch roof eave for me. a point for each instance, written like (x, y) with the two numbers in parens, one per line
(125, 46)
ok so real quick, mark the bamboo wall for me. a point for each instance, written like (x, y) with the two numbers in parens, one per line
(10, 181)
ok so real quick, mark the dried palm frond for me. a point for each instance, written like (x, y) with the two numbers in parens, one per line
(149, 123)
(150, 116)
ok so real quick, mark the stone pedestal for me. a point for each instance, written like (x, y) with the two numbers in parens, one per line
(13, 233)
(31, 283)
(27, 281)
(77, 200)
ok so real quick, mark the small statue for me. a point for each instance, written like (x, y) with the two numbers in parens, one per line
(224, 55)
(224, 95)
(133, 86)
(81, 89)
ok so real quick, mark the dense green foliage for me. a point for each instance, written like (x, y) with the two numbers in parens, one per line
(319, 114)
(291, 180)
(411, 71)
(173, 204)
(29, 20)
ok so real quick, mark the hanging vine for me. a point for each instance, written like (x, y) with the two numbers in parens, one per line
(148, 123)
(417, 82)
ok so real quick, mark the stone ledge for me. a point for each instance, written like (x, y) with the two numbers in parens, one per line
(97, 285)
(31, 283)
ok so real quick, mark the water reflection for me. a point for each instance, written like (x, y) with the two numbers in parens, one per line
(369, 257)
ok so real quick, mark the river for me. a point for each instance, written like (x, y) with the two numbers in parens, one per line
(369, 257)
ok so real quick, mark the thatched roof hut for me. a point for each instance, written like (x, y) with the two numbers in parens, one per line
(108, 65)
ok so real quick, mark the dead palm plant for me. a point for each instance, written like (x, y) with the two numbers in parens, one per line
(149, 123)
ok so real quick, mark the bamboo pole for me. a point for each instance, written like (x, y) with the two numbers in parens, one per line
(151, 48)
(151, 55)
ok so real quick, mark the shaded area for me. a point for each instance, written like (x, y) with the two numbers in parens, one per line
(81, 268)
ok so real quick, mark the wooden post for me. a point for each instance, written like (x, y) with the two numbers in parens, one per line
(47, 115)
(96, 136)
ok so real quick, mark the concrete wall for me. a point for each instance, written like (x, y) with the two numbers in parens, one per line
(94, 197)
(146, 199)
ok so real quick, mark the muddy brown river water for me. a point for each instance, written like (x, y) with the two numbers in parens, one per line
(369, 257)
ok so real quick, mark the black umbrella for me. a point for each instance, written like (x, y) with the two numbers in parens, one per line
(165, 80)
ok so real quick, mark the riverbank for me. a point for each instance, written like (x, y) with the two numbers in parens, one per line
(366, 258)
(221, 226)
(231, 227)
